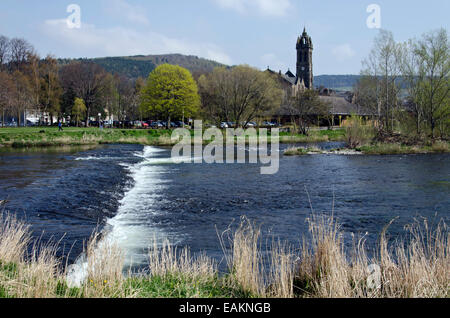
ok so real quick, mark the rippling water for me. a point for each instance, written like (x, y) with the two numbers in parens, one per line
(136, 194)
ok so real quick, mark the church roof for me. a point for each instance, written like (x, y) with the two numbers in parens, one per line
(341, 106)
(289, 74)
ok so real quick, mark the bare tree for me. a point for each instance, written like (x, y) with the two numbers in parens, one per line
(86, 79)
(50, 87)
(4, 51)
(306, 106)
(22, 96)
(239, 95)
(433, 53)
(384, 65)
(6, 95)
(20, 51)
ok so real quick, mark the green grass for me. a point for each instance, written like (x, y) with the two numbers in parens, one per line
(314, 136)
(183, 286)
(169, 286)
(399, 149)
(47, 137)
(51, 137)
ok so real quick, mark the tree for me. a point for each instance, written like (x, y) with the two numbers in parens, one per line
(307, 106)
(78, 110)
(86, 80)
(433, 55)
(238, 95)
(384, 67)
(20, 51)
(4, 51)
(110, 94)
(22, 95)
(170, 92)
(51, 91)
(6, 95)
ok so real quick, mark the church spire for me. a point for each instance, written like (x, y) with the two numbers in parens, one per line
(304, 59)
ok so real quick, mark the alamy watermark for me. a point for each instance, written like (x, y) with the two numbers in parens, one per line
(74, 20)
(374, 19)
(240, 146)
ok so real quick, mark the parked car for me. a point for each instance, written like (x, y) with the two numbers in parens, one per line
(157, 125)
(224, 125)
(251, 124)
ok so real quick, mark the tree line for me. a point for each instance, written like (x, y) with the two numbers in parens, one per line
(79, 90)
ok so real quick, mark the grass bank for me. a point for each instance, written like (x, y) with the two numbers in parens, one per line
(398, 148)
(315, 136)
(51, 137)
(321, 267)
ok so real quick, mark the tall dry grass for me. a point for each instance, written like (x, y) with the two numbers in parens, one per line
(416, 266)
(249, 268)
(167, 260)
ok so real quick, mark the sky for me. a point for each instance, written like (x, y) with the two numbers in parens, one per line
(260, 33)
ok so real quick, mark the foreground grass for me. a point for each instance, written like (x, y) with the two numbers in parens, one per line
(321, 267)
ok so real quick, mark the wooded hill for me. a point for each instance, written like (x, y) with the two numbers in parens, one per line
(142, 65)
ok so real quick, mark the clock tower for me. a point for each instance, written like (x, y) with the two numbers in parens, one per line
(304, 60)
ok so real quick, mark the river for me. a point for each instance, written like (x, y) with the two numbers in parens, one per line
(135, 194)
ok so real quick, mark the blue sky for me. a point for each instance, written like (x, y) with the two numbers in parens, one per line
(260, 33)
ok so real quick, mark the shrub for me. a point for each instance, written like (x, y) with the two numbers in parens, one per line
(358, 134)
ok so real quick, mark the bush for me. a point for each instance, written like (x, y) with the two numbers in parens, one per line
(358, 134)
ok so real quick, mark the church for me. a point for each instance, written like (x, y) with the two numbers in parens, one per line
(340, 103)
(304, 77)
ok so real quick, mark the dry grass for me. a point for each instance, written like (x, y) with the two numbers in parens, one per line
(167, 260)
(322, 267)
(417, 267)
(248, 267)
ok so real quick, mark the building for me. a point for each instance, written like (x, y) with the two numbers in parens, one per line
(341, 104)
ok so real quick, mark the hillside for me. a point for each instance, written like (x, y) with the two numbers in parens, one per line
(337, 82)
(141, 66)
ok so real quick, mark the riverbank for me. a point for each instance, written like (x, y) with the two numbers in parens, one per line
(418, 268)
(374, 149)
(51, 137)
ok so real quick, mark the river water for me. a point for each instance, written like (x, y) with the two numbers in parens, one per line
(136, 194)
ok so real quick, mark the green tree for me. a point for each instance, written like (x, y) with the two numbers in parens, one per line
(170, 92)
(79, 110)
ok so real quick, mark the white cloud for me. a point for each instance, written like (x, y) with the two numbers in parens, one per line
(276, 8)
(119, 41)
(343, 52)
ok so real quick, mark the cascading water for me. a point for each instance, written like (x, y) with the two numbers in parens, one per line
(130, 229)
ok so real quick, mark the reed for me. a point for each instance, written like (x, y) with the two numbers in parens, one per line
(417, 265)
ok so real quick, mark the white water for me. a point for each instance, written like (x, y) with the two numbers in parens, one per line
(130, 229)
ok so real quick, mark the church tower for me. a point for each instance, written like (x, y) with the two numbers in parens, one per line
(304, 60)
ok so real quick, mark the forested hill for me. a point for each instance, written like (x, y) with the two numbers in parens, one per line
(338, 82)
(141, 66)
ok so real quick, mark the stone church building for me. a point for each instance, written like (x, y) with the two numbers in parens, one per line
(340, 103)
